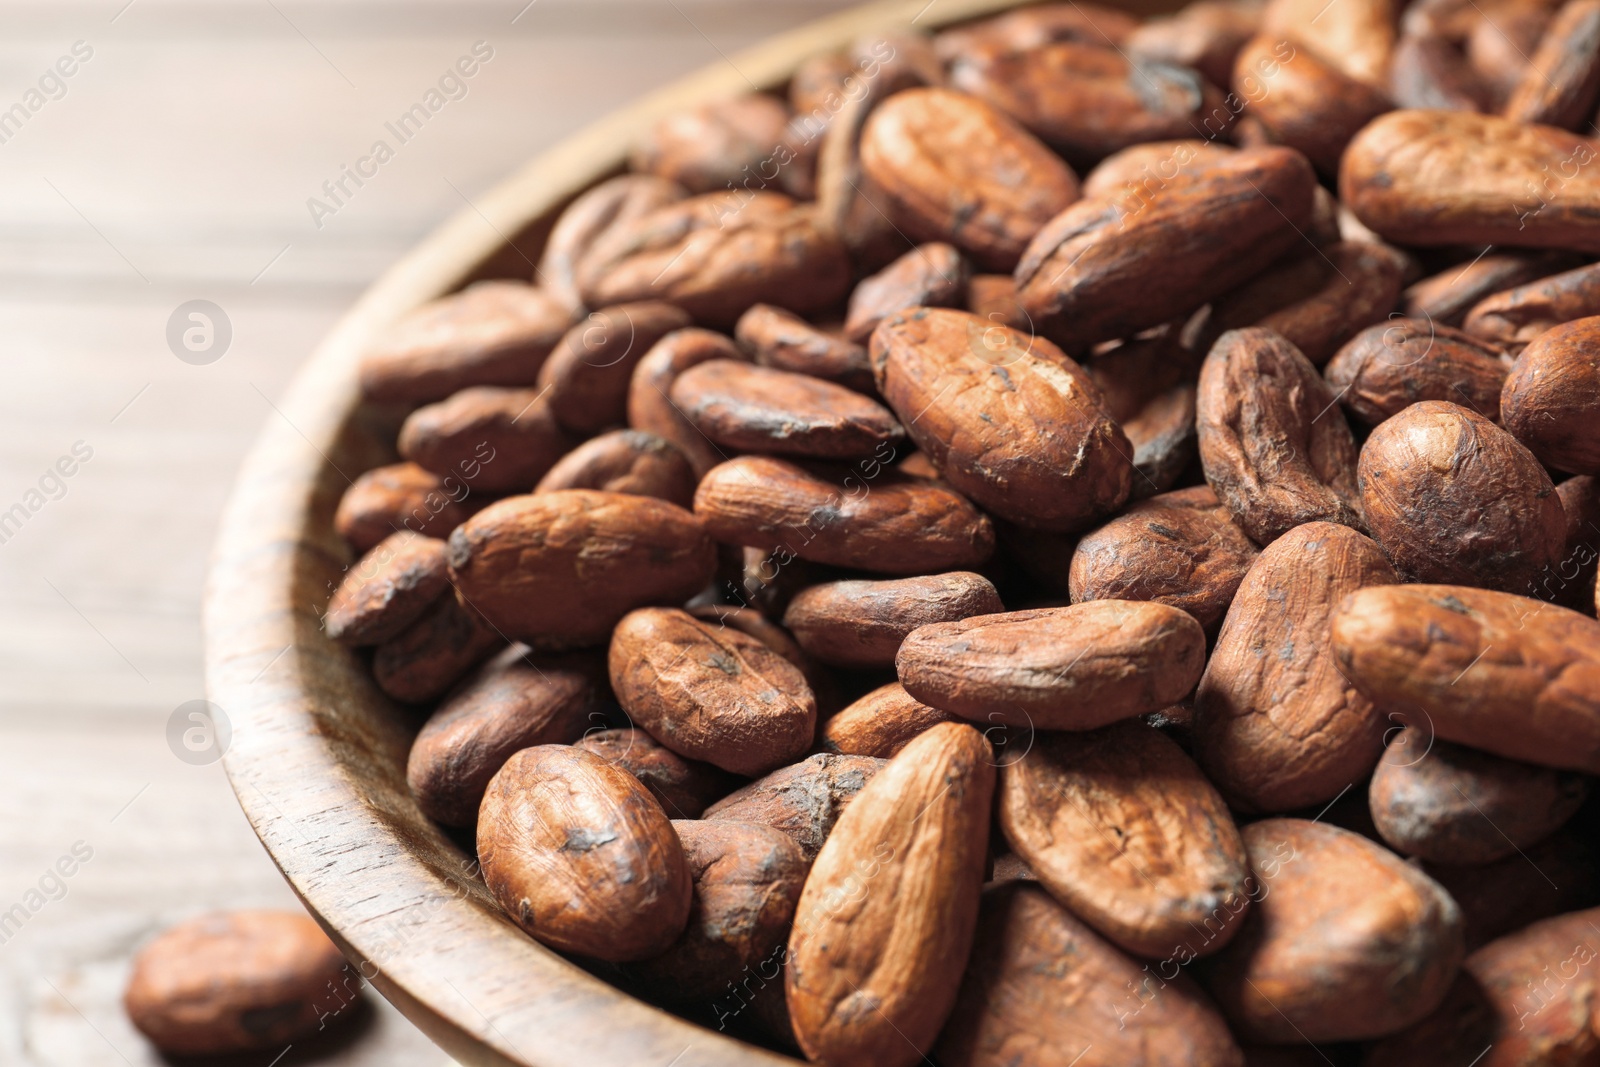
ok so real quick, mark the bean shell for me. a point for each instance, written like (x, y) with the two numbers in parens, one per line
(804, 799)
(1551, 398)
(862, 623)
(387, 590)
(625, 461)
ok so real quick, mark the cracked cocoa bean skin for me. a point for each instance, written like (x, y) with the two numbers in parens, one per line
(1562, 82)
(491, 333)
(1073, 668)
(1085, 100)
(804, 800)
(955, 168)
(512, 702)
(1418, 178)
(1041, 988)
(1306, 102)
(891, 524)
(1511, 318)
(509, 436)
(1103, 269)
(614, 202)
(1181, 549)
(1164, 441)
(426, 658)
(1516, 677)
(1276, 726)
(1008, 419)
(401, 496)
(1454, 499)
(887, 914)
(881, 723)
(1458, 805)
(233, 982)
(586, 378)
(625, 461)
(1445, 298)
(387, 590)
(1386, 368)
(747, 880)
(859, 623)
(709, 693)
(742, 407)
(1319, 301)
(1121, 827)
(581, 856)
(1273, 442)
(1345, 940)
(782, 340)
(716, 254)
(1551, 398)
(931, 275)
(650, 405)
(560, 569)
(683, 787)
(716, 146)
(1527, 998)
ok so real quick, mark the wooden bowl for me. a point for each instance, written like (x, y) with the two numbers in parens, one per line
(318, 754)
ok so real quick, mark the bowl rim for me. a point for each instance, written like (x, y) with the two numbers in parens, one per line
(317, 753)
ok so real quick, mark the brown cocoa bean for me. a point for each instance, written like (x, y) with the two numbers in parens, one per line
(560, 569)
(1274, 444)
(1551, 398)
(994, 297)
(650, 405)
(1037, 25)
(1386, 368)
(1304, 101)
(711, 694)
(1562, 81)
(580, 855)
(1572, 583)
(1042, 989)
(1181, 549)
(1512, 676)
(1446, 297)
(491, 333)
(614, 202)
(1357, 39)
(625, 461)
(683, 787)
(1446, 803)
(783, 341)
(862, 623)
(1513, 317)
(954, 168)
(1106, 267)
(881, 723)
(514, 701)
(891, 524)
(1558, 875)
(742, 407)
(587, 376)
(1428, 71)
(804, 800)
(1345, 941)
(931, 275)
(719, 145)
(887, 914)
(500, 440)
(401, 496)
(1417, 178)
(1008, 419)
(1276, 726)
(234, 982)
(1206, 36)
(716, 254)
(1122, 828)
(426, 658)
(1453, 498)
(1072, 668)
(387, 590)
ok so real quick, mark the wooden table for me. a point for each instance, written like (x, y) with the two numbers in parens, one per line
(176, 163)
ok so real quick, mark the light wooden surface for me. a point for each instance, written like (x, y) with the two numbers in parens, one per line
(177, 166)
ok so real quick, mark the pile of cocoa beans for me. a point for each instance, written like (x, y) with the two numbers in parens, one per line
(1066, 541)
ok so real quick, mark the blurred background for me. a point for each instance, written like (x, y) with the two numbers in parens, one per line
(175, 164)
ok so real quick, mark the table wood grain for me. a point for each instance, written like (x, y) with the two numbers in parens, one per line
(176, 164)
